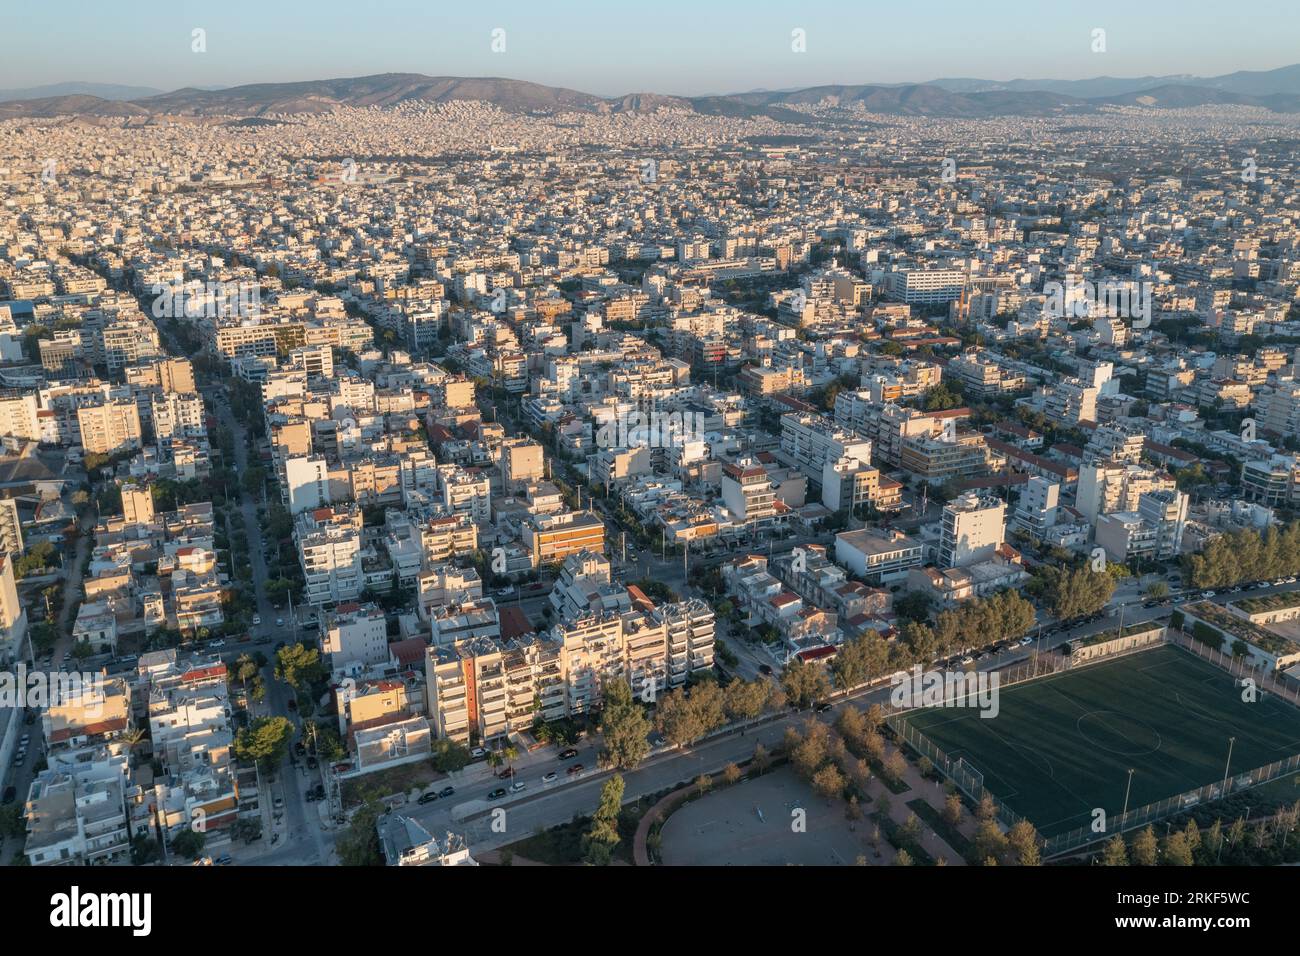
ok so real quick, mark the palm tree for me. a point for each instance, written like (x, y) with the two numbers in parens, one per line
(510, 752)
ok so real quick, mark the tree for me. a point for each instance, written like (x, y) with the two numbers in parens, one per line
(804, 684)
(449, 756)
(1144, 851)
(1022, 840)
(1176, 850)
(744, 699)
(602, 835)
(1115, 852)
(952, 810)
(264, 741)
(624, 726)
(188, 844)
(829, 782)
(359, 846)
(298, 666)
(903, 858)
(1158, 590)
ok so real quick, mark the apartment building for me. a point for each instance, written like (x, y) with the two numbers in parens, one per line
(355, 634)
(329, 550)
(972, 528)
(110, 427)
(878, 556)
(550, 538)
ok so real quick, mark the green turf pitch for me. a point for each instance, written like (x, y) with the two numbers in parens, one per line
(1063, 745)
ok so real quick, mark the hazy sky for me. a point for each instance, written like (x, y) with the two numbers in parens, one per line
(616, 46)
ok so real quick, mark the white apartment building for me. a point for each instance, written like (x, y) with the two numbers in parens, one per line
(972, 528)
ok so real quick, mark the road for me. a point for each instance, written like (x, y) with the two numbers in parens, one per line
(298, 835)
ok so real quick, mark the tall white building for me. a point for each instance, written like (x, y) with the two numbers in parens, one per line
(973, 527)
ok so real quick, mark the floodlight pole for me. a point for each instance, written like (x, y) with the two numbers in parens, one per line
(1224, 791)
(1127, 790)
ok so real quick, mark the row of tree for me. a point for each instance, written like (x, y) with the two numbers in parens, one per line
(1269, 842)
(1241, 556)
(1072, 592)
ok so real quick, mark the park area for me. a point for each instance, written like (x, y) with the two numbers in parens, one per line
(1063, 745)
(749, 824)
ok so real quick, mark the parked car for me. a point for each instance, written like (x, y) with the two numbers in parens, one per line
(257, 620)
(279, 622)
(765, 668)
(568, 754)
(478, 753)
(550, 777)
(446, 791)
(518, 787)
(427, 797)
(823, 707)
(224, 860)
(1026, 641)
(575, 768)
(497, 794)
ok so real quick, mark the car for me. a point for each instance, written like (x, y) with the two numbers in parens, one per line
(550, 777)
(823, 707)
(968, 660)
(427, 797)
(518, 787)
(293, 704)
(505, 774)
(446, 792)
(1150, 604)
(568, 754)
(497, 794)
(279, 622)
(765, 668)
(311, 796)
(478, 753)
(1025, 641)
(1291, 579)
(1207, 594)
(575, 768)
(24, 740)
(257, 620)
(218, 643)
(224, 860)
(278, 803)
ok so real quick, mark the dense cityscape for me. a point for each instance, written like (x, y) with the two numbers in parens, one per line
(503, 479)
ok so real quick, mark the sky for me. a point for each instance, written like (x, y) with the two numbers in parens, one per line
(678, 47)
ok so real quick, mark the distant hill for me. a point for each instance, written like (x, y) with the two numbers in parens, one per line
(105, 91)
(1277, 90)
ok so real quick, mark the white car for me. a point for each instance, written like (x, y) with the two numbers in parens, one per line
(279, 622)
(551, 777)
(518, 787)
(478, 753)
(1024, 641)
(257, 620)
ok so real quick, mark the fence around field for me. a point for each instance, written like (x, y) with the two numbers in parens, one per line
(970, 780)
(1237, 667)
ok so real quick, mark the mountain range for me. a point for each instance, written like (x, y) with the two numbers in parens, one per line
(1277, 90)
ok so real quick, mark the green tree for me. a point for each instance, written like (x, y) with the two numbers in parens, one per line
(1144, 850)
(624, 727)
(265, 740)
(299, 666)
(602, 835)
(359, 845)
(188, 844)
(1115, 852)
(805, 684)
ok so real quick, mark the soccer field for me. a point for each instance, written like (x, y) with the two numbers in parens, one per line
(1063, 745)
